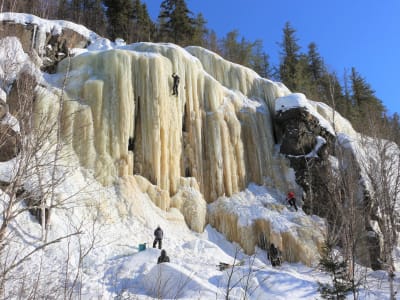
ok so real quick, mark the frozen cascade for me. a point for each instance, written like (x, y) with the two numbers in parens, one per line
(212, 140)
(219, 135)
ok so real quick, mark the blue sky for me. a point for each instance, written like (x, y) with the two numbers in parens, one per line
(364, 34)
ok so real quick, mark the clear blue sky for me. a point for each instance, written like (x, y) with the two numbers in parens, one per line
(364, 34)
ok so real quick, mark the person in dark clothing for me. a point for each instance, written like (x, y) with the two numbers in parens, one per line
(163, 257)
(292, 200)
(273, 255)
(158, 236)
(176, 83)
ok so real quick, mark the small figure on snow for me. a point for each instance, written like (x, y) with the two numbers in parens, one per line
(176, 83)
(274, 256)
(163, 257)
(292, 200)
(158, 236)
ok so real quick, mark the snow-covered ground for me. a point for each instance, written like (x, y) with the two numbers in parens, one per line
(114, 268)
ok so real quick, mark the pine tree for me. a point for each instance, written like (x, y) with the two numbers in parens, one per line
(175, 23)
(199, 31)
(211, 42)
(260, 60)
(289, 57)
(366, 104)
(302, 78)
(93, 16)
(63, 10)
(237, 52)
(119, 14)
(76, 10)
(315, 62)
(337, 268)
(142, 27)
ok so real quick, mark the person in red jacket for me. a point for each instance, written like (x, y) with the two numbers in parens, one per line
(291, 199)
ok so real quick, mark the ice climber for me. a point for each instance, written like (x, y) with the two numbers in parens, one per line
(273, 255)
(176, 83)
(163, 257)
(158, 236)
(292, 200)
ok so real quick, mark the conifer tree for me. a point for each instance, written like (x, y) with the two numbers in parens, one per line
(142, 28)
(289, 57)
(63, 10)
(238, 52)
(260, 60)
(364, 101)
(302, 79)
(337, 268)
(315, 62)
(119, 14)
(211, 42)
(175, 23)
(94, 17)
(199, 31)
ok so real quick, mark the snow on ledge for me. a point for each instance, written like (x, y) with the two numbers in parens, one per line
(52, 26)
(299, 100)
(314, 153)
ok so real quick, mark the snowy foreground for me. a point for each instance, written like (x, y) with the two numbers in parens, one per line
(115, 269)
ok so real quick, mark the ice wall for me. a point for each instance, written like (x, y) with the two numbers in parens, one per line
(254, 218)
(218, 130)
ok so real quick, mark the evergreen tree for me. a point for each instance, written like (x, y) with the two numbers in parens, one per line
(260, 60)
(366, 104)
(395, 125)
(333, 92)
(337, 268)
(199, 31)
(302, 79)
(230, 47)
(63, 10)
(175, 23)
(94, 17)
(142, 27)
(119, 14)
(211, 42)
(76, 10)
(315, 62)
(289, 57)
(235, 51)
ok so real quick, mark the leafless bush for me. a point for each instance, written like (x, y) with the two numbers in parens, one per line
(38, 170)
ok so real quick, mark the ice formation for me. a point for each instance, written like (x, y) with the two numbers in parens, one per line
(219, 133)
(119, 118)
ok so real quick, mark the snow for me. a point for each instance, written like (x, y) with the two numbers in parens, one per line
(51, 26)
(113, 268)
(297, 100)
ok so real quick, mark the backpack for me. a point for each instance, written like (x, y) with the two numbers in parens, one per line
(158, 233)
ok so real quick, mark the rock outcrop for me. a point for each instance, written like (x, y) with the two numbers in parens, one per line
(51, 42)
(317, 150)
(10, 142)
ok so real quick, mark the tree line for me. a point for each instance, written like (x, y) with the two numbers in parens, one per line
(306, 72)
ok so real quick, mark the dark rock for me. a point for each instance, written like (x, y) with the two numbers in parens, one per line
(56, 46)
(4, 109)
(10, 143)
(23, 32)
(22, 96)
(297, 131)
(35, 210)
